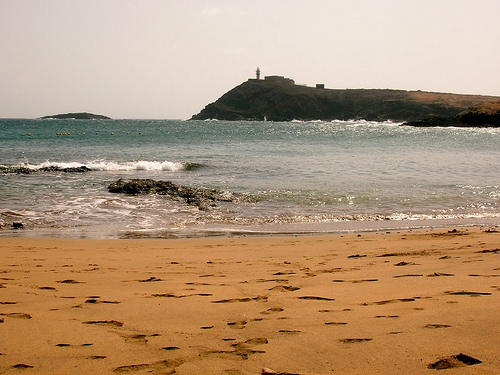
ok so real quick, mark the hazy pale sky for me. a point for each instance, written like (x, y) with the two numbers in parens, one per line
(168, 59)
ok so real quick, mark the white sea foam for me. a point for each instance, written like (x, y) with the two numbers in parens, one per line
(105, 165)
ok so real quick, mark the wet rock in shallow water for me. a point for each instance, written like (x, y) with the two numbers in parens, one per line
(17, 225)
(50, 168)
(15, 170)
(54, 168)
(200, 197)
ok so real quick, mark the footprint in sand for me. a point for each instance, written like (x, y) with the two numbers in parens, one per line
(257, 341)
(133, 338)
(94, 300)
(409, 275)
(246, 299)
(476, 275)
(167, 295)
(466, 293)
(493, 251)
(272, 310)
(69, 281)
(169, 348)
(354, 281)
(385, 302)
(240, 324)
(459, 360)
(285, 288)
(437, 274)
(356, 256)
(316, 298)
(240, 351)
(156, 367)
(400, 264)
(112, 323)
(18, 315)
(437, 326)
(282, 273)
(289, 331)
(151, 279)
(354, 341)
(22, 366)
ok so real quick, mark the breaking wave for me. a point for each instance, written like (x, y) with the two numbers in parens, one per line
(99, 165)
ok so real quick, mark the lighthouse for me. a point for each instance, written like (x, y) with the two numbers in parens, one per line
(257, 73)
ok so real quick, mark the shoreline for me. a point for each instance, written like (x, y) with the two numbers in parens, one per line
(254, 230)
(376, 302)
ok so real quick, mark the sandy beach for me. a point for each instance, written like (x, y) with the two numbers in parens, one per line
(371, 303)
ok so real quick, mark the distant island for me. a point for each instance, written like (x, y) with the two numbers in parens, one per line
(77, 116)
(276, 98)
(482, 115)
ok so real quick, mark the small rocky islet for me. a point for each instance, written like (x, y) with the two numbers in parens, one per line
(75, 116)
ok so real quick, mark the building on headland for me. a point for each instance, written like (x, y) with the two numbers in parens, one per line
(273, 79)
(320, 85)
(279, 79)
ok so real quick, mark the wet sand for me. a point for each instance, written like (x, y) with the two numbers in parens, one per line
(379, 303)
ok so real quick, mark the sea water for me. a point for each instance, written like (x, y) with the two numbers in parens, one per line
(296, 177)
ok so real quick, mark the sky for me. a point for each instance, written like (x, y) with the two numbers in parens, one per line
(167, 59)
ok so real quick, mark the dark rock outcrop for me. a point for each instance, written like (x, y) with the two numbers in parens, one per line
(54, 168)
(51, 168)
(483, 115)
(77, 116)
(285, 101)
(200, 197)
(15, 170)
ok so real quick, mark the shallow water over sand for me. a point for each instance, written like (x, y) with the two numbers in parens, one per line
(300, 177)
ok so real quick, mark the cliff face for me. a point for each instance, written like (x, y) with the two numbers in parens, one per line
(283, 101)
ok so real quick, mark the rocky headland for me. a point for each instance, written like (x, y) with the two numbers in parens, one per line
(482, 115)
(280, 99)
(76, 116)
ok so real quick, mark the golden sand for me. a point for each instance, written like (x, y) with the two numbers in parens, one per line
(379, 303)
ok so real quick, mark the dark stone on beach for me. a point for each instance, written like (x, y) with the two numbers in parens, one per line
(17, 225)
(200, 197)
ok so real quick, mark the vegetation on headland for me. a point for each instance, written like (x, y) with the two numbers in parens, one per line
(282, 100)
(77, 116)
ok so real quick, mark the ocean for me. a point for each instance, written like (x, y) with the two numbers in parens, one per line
(295, 177)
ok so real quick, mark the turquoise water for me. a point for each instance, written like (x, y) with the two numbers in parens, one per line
(301, 176)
